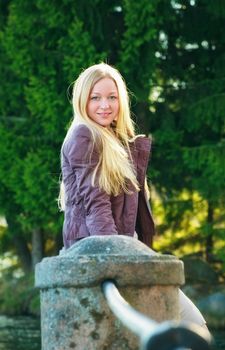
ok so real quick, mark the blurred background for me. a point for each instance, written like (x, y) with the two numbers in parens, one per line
(172, 56)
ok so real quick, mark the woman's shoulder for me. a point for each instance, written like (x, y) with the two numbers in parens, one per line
(79, 142)
(78, 134)
(79, 131)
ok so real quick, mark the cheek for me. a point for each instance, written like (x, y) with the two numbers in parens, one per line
(90, 108)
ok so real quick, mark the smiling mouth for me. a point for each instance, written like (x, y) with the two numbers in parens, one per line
(104, 114)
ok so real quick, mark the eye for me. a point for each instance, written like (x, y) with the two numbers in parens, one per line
(95, 98)
(113, 98)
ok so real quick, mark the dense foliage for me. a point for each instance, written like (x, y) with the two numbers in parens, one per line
(189, 122)
(171, 54)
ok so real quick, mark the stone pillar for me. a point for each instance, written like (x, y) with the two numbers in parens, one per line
(74, 312)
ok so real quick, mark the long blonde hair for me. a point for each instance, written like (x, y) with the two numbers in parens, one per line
(115, 169)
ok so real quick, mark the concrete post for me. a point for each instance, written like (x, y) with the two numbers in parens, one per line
(74, 312)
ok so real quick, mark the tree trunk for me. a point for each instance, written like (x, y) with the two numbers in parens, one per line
(141, 110)
(37, 246)
(209, 238)
(20, 243)
(23, 252)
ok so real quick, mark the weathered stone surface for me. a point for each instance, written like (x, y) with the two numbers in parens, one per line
(74, 312)
(19, 332)
(96, 258)
(198, 270)
(213, 307)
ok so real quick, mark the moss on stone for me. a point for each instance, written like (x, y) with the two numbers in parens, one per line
(97, 316)
(85, 302)
(76, 325)
(72, 345)
(95, 335)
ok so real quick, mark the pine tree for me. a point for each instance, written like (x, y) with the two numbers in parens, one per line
(189, 113)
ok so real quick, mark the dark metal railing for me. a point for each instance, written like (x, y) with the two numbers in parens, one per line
(155, 336)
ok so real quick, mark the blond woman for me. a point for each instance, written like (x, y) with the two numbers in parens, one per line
(104, 163)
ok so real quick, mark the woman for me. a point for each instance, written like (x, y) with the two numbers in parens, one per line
(103, 190)
(103, 162)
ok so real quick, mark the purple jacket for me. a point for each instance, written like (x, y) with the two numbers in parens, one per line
(89, 210)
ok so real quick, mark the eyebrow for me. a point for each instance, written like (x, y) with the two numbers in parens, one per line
(98, 93)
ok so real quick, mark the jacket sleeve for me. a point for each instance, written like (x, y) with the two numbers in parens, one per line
(145, 226)
(83, 157)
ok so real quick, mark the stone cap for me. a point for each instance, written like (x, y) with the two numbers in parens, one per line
(94, 259)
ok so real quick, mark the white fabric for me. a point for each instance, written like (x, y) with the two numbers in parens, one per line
(189, 312)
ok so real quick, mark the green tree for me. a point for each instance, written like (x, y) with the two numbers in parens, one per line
(34, 114)
(171, 55)
(43, 48)
(188, 114)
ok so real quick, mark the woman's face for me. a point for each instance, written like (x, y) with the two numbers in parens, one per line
(103, 102)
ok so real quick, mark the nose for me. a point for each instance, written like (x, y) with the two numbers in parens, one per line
(104, 103)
